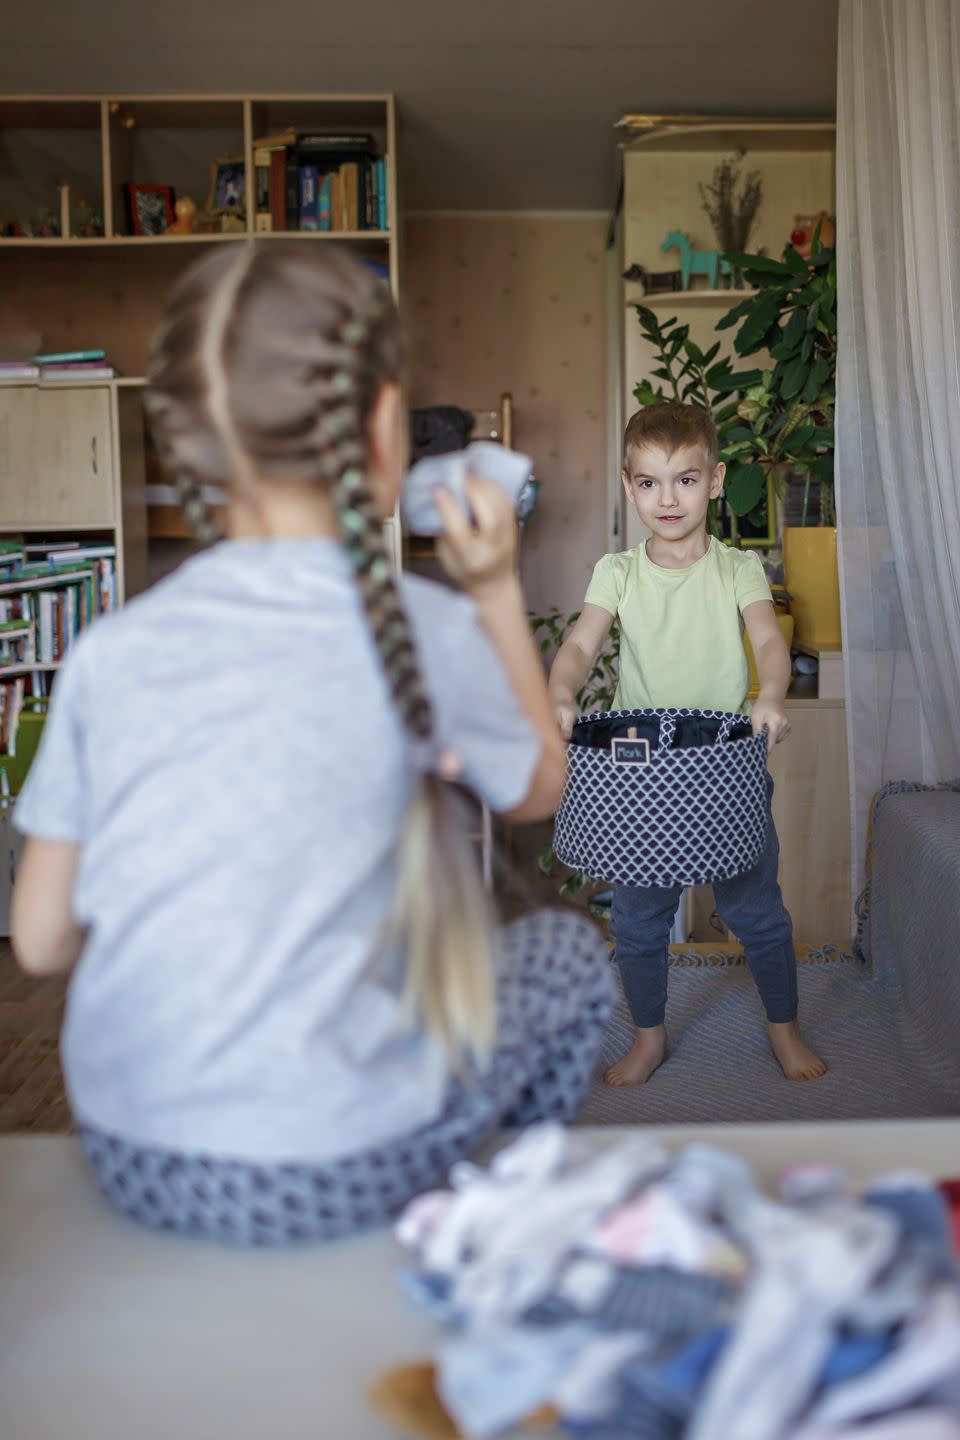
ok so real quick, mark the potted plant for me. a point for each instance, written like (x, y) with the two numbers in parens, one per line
(772, 422)
(786, 420)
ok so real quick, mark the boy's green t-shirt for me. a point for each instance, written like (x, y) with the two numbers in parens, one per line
(681, 631)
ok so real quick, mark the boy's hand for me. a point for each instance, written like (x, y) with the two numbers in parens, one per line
(478, 553)
(566, 713)
(770, 713)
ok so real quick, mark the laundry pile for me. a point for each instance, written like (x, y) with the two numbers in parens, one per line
(621, 1294)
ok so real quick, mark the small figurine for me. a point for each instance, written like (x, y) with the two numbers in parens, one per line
(185, 223)
(696, 262)
(656, 282)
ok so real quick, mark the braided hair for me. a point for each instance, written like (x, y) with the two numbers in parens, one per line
(266, 366)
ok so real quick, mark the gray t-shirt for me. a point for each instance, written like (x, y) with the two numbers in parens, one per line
(227, 755)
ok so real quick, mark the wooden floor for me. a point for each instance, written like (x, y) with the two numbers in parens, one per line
(31, 1085)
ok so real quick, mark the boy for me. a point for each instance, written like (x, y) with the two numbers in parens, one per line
(679, 599)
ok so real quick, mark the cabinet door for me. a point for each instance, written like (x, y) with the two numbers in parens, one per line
(56, 458)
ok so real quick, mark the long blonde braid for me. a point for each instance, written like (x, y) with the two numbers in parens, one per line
(317, 431)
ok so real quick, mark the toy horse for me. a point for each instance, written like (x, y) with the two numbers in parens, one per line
(696, 262)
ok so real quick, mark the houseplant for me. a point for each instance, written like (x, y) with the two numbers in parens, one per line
(775, 420)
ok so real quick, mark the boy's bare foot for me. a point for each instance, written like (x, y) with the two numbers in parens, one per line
(797, 1061)
(647, 1052)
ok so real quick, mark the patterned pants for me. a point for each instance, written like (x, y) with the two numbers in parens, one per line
(555, 994)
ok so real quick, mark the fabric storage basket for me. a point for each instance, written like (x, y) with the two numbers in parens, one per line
(663, 797)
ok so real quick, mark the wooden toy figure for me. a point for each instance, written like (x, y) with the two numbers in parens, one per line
(695, 262)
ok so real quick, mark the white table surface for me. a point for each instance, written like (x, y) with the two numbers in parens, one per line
(110, 1332)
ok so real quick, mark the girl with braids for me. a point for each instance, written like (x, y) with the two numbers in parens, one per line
(288, 1011)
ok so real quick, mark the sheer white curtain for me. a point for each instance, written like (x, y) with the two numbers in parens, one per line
(898, 391)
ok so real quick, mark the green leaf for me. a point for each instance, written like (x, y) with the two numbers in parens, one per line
(764, 264)
(793, 378)
(821, 370)
(694, 352)
(644, 394)
(801, 437)
(545, 860)
(795, 329)
(711, 353)
(732, 316)
(743, 380)
(810, 390)
(753, 331)
(718, 371)
(743, 487)
(573, 884)
(793, 260)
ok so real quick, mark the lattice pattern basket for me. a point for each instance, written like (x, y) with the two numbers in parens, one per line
(663, 797)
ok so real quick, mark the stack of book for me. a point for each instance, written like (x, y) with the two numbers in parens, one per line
(319, 181)
(67, 366)
(49, 593)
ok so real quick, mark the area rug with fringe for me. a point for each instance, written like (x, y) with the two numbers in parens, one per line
(720, 1068)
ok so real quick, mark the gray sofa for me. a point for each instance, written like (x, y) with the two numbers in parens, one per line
(912, 935)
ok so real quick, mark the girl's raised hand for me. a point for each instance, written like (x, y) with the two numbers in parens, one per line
(479, 553)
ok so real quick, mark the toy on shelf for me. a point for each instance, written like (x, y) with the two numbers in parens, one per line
(694, 261)
(185, 223)
(660, 282)
(804, 229)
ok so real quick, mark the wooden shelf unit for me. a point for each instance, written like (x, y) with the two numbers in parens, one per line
(663, 158)
(70, 292)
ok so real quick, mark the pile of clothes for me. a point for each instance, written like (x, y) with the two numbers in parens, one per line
(623, 1294)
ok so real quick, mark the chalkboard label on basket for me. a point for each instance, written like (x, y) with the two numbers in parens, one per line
(628, 750)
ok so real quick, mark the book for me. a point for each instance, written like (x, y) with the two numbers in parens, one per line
(278, 189)
(336, 201)
(278, 141)
(55, 376)
(309, 200)
(42, 581)
(65, 357)
(75, 367)
(18, 370)
(324, 203)
(368, 217)
(331, 140)
(292, 189)
(261, 185)
(383, 219)
(12, 555)
(350, 174)
(76, 553)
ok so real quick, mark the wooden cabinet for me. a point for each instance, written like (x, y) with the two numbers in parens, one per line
(811, 808)
(56, 458)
